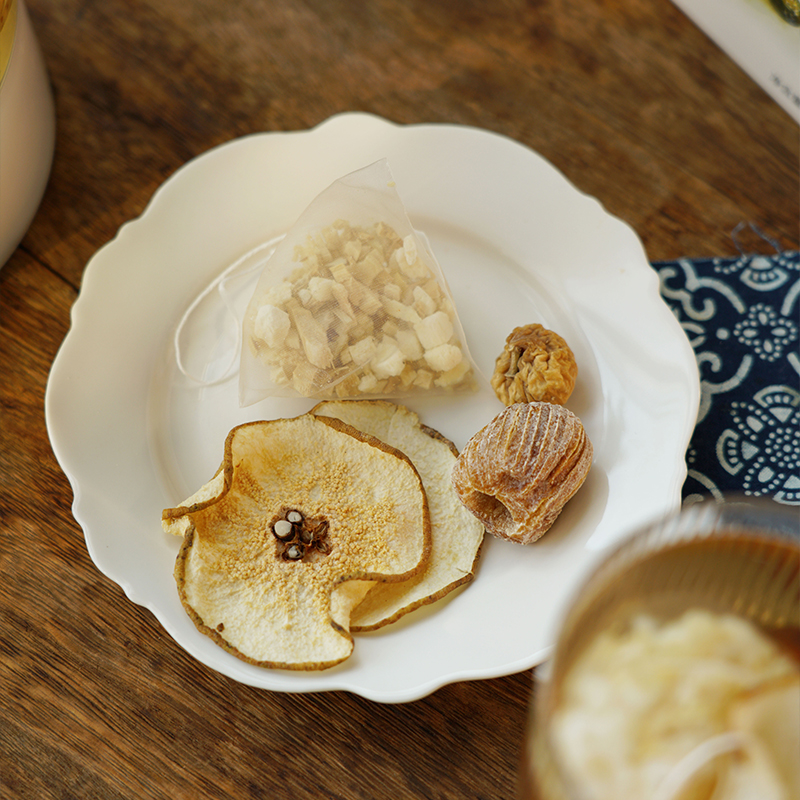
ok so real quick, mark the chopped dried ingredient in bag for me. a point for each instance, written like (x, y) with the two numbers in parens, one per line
(360, 314)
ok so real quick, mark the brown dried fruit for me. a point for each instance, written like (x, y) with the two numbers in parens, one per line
(516, 474)
(535, 365)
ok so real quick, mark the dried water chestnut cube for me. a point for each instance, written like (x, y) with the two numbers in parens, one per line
(536, 365)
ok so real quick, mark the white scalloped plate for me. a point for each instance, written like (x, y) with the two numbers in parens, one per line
(517, 243)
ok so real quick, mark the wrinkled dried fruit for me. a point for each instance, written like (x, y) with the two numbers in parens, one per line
(536, 365)
(516, 474)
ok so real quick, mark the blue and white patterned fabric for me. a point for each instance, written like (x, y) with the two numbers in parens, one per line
(742, 316)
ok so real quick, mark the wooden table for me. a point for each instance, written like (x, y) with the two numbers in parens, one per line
(628, 98)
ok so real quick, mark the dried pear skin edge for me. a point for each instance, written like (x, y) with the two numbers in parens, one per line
(434, 456)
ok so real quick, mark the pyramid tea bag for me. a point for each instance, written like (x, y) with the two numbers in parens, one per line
(353, 304)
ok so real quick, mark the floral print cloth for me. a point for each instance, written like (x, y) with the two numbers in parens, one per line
(742, 316)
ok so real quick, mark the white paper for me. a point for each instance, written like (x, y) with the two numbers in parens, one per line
(755, 36)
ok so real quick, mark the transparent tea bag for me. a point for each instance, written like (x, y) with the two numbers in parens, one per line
(353, 304)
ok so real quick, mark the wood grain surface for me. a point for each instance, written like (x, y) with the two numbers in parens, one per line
(632, 102)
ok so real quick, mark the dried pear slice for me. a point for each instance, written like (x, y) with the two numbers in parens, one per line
(299, 507)
(456, 534)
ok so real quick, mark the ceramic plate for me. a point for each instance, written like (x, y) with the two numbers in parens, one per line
(136, 431)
